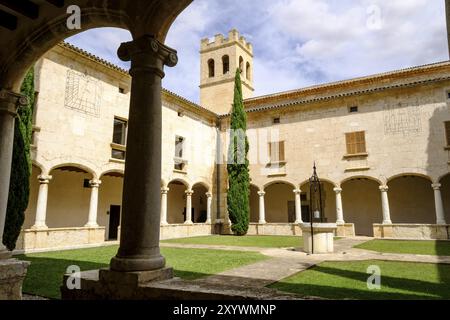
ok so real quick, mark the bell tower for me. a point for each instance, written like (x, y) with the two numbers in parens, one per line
(219, 61)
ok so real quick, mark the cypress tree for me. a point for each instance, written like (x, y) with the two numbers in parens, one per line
(238, 165)
(19, 189)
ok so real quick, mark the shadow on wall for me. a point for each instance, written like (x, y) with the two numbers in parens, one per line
(439, 161)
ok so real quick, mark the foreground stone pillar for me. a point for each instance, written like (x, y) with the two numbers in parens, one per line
(262, 208)
(164, 192)
(12, 274)
(41, 208)
(440, 213)
(298, 206)
(339, 209)
(208, 207)
(93, 205)
(141, 219)
(9, 102)
(385, 205)
(189, 194)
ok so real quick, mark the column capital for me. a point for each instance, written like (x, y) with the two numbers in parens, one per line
(44, 179)
(436, 186)
(297, 191)
(165, 190)
(384, 188)
(337, 190)
(209, 195)
(10, 101)
(147, 54)
(189, 193)
(95, 183)
(261, 193)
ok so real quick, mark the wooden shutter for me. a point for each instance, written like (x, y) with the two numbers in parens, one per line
(447, 132)
(356, 142)
(281, 156)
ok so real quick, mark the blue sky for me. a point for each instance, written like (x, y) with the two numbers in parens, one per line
(298, 43)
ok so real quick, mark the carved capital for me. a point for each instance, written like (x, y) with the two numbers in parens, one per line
(384, 188)
(95, 183)
(44, 179)
(147, 54)
(261, 193)
(189, 193)
(10, 101)
(436, 186)
(209, 195)
(337, 190)
(165, 190)
(297, 192)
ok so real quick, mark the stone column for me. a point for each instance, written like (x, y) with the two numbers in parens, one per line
(41, 208)
(189, 194)
(208, 207)
(164, 192)
(9, 102)
(141, 219)
(385, 205)
(440, 213)
(93, 205)
(339, 209)
(298, 206)
(262, 208)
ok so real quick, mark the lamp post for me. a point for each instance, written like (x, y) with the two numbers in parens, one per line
(316, 206)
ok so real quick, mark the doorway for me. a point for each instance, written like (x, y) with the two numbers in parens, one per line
(114, 222)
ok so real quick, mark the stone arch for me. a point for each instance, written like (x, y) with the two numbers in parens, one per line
(306, 182)
(75, 167)
(33, 38)
(199, 202)
(410, 174)
(290, 183)
(279, 201)
(226, 64)
(176, 201)
(361, 202)
(411, 199)
(113, 172)
(211, 68)
(328, 200)
(202, 183)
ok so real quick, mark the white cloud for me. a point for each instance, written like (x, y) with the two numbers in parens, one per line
(299, 42)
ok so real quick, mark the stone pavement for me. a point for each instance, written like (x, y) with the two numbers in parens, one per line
(285, 262)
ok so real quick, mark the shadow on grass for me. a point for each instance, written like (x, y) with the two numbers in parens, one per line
(45, 275)
(400, 286)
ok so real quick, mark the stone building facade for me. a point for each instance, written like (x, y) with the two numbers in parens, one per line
(381, 144)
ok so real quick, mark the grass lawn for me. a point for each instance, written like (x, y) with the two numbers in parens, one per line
(348, 280)
(247, 241)
(45, 273)
(435, 248)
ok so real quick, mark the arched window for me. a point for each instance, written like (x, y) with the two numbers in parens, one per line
(248, 71)
(241, 65)
(211, 68)
(226, 64)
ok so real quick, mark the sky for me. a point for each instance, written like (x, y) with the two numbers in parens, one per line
(297, 43)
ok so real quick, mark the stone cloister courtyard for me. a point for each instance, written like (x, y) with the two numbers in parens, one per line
(264, 267)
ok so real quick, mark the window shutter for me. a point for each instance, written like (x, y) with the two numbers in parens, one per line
(356, 142)
(281, 155)
(447, 131)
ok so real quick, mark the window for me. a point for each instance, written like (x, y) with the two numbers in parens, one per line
(353, 109)
(226, 64)
(121, 90)
(211, 67)
(276, 120)
(241, 64)
(447, 132)
(356, 142)
(447, 94)
(248, 71)
(276, 152)
(180, 164)
(119, 139)
(181, 114)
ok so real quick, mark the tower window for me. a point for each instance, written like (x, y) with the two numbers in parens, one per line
(226, 64)
(276, 120)
(241, 64)
(211, 67)
(248, 72)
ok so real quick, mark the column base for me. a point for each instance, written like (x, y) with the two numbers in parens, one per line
(91, 225)
(298, 222)
(387, 222)
(12, 274)
(130, 264)
(340, 222)
(5, 254)
(441, 223)
(188, 222)
(262, 222)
